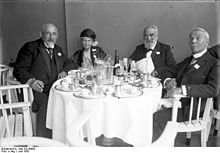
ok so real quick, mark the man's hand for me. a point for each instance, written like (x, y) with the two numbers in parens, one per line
(37, 85)
(170, 84)
(62, 75)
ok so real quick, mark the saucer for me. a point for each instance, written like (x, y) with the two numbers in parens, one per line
(65, 88)
(87, 94)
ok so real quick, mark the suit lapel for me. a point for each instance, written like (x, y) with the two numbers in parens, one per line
(154, 54)
(57, 53)
(44, 55)
(199, 63)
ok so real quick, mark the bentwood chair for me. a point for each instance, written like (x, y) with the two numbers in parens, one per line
(83, 122)
(15, 124)
(200, 123)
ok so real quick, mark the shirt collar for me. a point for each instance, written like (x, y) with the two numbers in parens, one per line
(48, 46)
(197, 55)
(154, 45)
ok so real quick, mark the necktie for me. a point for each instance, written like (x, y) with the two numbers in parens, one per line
(50, 52)
(193, 61)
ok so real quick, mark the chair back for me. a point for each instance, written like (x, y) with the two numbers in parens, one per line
(199, 122)
(76, 138)
(12, 123)
(4, 70)
(30, 141)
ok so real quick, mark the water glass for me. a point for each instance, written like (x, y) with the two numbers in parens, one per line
(125, 62)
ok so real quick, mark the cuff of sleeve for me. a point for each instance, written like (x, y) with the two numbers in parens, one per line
(184, 90)
(164, 82)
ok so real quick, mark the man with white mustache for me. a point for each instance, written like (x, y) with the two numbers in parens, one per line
(162, 57)
(197, 76)
(40, 63)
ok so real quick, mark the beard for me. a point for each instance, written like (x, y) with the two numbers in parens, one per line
(50, 44)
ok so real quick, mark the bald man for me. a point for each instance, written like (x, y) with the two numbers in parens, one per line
(40, 63)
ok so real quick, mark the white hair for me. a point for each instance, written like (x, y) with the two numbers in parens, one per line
(206, 34)
(151, 27)
(45, 26)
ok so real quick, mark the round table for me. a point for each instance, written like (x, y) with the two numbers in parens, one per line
(130, 119)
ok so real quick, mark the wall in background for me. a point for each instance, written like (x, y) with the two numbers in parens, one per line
(1, 52)
(119, 25)
(22, 20)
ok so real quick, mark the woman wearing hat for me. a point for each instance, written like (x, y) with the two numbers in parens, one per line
(86, 56)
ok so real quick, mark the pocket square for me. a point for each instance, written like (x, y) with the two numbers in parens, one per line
(158, 53)
(196, 66)
(59, 54)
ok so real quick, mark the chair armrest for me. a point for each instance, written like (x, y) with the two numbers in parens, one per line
(168, 136)
(11, 80)
(168, 103)
(215, 113)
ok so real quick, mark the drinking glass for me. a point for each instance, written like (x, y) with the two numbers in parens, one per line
(125, 62)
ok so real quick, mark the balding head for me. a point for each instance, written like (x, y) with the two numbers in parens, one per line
(49, 34)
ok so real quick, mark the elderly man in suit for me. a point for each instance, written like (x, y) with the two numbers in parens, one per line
(197, 77)
(162, 57)
(215, 51)
(40, 63)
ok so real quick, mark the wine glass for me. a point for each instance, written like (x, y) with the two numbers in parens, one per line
(133, 67)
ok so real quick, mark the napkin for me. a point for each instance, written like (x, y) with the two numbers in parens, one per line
(146, 65)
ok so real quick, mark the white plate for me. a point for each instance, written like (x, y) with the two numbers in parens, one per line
(64, 88)
(88, 95)
(128, 95)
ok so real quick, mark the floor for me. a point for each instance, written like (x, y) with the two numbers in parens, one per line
(180, 141)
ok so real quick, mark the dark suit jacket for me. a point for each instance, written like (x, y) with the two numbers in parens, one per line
(78, 55)
(201, 79)
(33, 62)
(162, 58)
(215, 51)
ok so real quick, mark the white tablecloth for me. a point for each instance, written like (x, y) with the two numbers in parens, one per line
(127, 118)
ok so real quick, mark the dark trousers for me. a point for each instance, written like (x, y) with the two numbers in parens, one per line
(39, 106)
